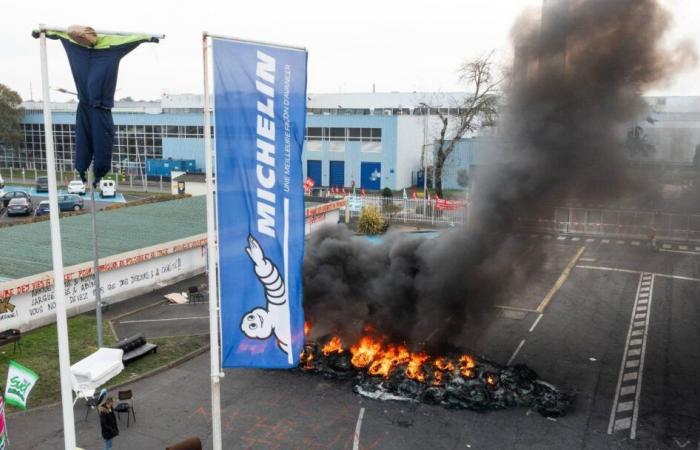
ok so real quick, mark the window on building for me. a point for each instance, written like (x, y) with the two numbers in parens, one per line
(354, 134)
(338, 134)
(314, 134)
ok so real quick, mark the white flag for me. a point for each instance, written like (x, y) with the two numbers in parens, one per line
(20, 382)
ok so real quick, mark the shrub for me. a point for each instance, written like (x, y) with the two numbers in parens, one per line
(386, 193)
(371, 221)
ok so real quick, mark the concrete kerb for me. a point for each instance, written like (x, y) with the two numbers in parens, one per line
(156, 371)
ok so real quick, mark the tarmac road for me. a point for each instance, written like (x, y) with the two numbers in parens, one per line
(585, 338)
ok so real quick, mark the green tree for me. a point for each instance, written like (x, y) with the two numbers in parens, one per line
(11, 113)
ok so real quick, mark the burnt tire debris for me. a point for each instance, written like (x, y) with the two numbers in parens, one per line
(483, 387)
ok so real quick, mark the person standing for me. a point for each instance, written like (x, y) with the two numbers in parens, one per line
(108, 422)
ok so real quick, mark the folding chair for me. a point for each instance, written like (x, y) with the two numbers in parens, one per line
(125, 405)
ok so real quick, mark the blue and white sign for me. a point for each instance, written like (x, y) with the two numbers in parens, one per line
(260, 114)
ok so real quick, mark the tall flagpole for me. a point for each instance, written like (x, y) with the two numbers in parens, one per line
(212, 261)
(57, 256)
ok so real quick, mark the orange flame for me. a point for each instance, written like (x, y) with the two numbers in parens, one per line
(363, 352)
(386, 361)
(444, 364)
(333, 346)
(437, 378)
(414, 370)
(307, 328)
(490, 379)
(466, 364)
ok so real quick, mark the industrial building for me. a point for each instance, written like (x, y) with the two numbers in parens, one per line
(369, 140)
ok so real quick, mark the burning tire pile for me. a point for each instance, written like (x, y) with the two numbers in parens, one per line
(390, 372)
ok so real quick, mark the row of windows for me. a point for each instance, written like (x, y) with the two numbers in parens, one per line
(420, 111)
(177, 131)
(343, 134)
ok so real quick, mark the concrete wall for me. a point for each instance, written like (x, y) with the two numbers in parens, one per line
(29, 302)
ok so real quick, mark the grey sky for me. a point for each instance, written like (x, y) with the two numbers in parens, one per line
(399, 46)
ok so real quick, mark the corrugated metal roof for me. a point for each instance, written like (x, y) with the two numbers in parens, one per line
(26, 249)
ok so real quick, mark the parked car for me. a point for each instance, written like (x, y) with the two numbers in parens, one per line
(43, 208)
(108, 188)
(15, 194)
(42, 184)
(70, 202)
(2, 182)
(19, 206)
(76, 187)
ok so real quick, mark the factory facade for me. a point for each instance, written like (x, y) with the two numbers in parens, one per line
(364, 140)
(371, 140)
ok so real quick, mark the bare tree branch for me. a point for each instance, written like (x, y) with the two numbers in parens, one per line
(475, 110)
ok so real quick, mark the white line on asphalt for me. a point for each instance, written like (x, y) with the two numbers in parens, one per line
(162, 320)
(534, 324)
(679, 251)
(633, 432)
(356, 438)
(614, 269)
(588, 259)
(515, 353)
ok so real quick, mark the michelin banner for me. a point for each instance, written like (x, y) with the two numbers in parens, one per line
(260, 114)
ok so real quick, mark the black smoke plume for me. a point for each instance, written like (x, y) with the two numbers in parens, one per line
(562, 126)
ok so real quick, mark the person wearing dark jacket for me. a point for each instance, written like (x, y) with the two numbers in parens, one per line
(108, 422)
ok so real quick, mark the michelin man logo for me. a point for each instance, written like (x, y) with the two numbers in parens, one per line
(263, 323)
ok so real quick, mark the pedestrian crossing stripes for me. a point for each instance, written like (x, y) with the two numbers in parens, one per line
(625, 408)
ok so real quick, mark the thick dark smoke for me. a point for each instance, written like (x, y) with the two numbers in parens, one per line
(562, 125)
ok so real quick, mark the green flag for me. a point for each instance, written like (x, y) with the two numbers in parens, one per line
(20, 382)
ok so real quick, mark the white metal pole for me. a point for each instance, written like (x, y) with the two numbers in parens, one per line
(57, 256)
(425, 150)
(96, 260)
(212, 260)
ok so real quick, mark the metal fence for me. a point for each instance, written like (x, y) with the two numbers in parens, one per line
(410, 210)
(618, 223)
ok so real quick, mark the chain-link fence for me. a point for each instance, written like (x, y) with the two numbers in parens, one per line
(617, 223)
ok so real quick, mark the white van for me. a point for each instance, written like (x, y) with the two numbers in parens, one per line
(108, 188)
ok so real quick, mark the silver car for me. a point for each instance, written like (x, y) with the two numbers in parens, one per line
(19, 207)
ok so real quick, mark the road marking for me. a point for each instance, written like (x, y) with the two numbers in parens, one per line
(575, 239)
(605, 241)
(588, 259)
(682, 247)
(635, 242)
(625, 407)
(679, 251)
(356, 438)
(561, 238)
(620, 242)
(534, 324)
(515, 353)
(515, 308)
(546, 236)
(162, 320)
(590, 240)
(614, 269)
(560, 281)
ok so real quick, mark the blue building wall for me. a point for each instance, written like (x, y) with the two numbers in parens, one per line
(184, 148)
(467, 154)
(352, 151)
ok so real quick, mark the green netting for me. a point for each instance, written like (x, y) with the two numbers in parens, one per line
(26, 249)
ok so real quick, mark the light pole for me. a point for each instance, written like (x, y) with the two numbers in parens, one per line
(425, 149)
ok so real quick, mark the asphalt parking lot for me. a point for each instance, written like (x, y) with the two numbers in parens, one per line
(619, 329)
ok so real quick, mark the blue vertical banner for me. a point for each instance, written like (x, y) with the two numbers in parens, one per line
(260, 119)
